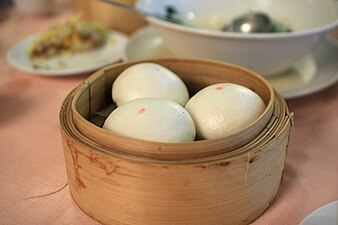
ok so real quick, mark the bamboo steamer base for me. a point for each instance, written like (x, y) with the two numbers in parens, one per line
(117, 188)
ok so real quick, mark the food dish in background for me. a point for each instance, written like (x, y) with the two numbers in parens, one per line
(266, 53)
(327, 214)
(73, 36)
(111, 52)
(314, 72)
(122, 22)
(114, 17)
(61, 50)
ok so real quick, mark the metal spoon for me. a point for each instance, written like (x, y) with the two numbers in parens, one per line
(250, 23)
(171, 15)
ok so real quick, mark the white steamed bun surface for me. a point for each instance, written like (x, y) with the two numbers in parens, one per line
(223, 109)
(149, 80)
(152, 119)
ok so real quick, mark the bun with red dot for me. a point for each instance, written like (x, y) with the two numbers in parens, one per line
(152, 119)
(221, 110)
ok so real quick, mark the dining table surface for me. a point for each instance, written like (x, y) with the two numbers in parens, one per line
(33, 176)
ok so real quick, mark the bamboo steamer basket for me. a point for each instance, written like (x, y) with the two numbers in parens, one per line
(230, 185)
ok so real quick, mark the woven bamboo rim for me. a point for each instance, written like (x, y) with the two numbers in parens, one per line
(85, 108)
(280, 119)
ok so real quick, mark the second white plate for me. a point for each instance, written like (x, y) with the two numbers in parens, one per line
(312, 73)
(325, 215)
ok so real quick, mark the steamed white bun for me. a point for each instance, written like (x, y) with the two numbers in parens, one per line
(152, 119)
(149, 80)
(223, 109)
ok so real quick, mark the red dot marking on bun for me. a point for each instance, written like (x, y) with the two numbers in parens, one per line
(142, 110)
(219, 88)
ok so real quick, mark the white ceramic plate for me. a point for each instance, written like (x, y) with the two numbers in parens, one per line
(112, 51)
(325, 215)
(312, 73)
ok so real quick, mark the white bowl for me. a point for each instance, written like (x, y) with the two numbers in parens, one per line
(265, 53)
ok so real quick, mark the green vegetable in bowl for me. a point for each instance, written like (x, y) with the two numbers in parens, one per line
(172, 15)
(279, 27)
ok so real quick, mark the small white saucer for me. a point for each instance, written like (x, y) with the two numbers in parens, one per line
(312, 73)
(325, 215)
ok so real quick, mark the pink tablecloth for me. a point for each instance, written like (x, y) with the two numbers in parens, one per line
(31, 154)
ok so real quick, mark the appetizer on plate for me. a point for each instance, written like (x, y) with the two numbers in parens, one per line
(75, 35)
